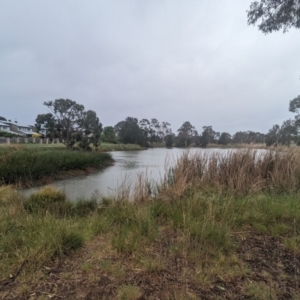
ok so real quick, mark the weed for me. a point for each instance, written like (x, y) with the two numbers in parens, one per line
(127, 240)
(116, 270)
(260, 290)
(153, 265)
(129, 292)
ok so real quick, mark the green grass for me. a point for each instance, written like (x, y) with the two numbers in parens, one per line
(129, 292)
(46, 225)
(42, 227)
(119, 147)
(26, 166)
(103, 147)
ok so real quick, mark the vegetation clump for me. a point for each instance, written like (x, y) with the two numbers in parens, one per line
(28, 166)
(47, 200)
(239, 172)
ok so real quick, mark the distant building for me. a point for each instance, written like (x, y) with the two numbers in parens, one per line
(20, 130)
(5, 127)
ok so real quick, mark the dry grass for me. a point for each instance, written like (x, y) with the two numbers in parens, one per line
(238, 172)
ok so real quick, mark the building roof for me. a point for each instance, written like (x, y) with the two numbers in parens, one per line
(3, 124)
(17, 124)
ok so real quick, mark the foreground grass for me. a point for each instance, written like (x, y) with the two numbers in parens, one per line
(201, 246)
(28, 166)
(190, 241)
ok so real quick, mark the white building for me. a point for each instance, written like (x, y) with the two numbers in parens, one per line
(6, 127)
(21, 130)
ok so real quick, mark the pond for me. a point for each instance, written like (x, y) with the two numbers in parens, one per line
(128, 165)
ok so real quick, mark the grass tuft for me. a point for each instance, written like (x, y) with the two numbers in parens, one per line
(129, 292)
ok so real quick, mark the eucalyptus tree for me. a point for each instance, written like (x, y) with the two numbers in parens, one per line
(69, 121)
(295, 108)
(186, 135)
(129, 132)
(225, 138)
(169, 140)
(274, 15)
(46, 124)
(282, 135)
(208, 136)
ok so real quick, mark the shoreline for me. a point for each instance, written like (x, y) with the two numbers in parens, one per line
(63, 175)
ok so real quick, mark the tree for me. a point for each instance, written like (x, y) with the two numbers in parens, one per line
(154, 131)
(295, 108)
(144, 124)
(69, 117)
(274, 15)
(240, 137)
(186, 135)
(169, 140)
(46, 124)
(109, 135)
(272, 137)
(224, 139)
(283, 134)
(208, 136)
(165, 130)
(129, 132)
(247, 137)
(92, 127)
(2, 119)
(71, 123)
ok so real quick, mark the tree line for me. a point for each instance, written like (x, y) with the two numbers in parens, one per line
(70, 122)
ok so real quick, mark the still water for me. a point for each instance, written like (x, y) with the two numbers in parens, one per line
(128, 165)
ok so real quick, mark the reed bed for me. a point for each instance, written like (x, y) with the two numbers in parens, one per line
(238, 172)
(21, 165)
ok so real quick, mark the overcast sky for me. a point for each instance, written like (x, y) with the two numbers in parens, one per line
(193, 60)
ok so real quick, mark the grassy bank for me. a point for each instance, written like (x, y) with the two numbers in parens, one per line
(219, 228)
(23, 166)
(104, 147)
(119, 147)
(238, 146)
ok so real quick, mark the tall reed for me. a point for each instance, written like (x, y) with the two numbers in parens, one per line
(238, 172)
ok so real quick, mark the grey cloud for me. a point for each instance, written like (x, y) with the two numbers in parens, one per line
(172, 60)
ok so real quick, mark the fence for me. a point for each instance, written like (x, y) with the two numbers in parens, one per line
(4, 140)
